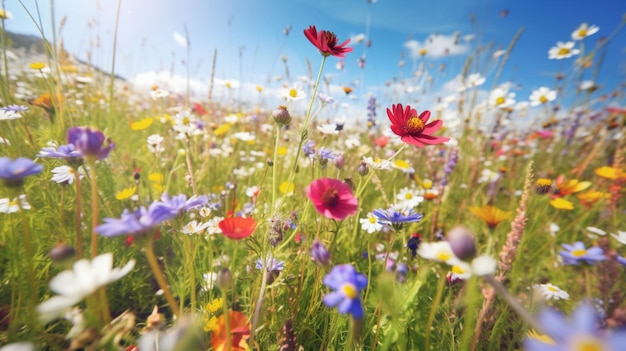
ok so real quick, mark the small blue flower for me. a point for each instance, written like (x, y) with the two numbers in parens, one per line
(580, 332)
(13, 172)
(67, 152)
(395, 217)
(309, 148)
(138, 222)
(347, 283)
(577, 253)
(271, 264)
(180, 204)
(14, 108)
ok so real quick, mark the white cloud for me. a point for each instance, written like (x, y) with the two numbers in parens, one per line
(180, 39)
(437, 45)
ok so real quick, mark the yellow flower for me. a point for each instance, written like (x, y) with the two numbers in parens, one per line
(561, 204)
(423, 52)
(210, 323)
(540, 337)
(215, 305)
(282, 151)
(491, 215)
(126, 193)
(609, 172)
(259, 88)
(221, 130)
(142, 124)
(37, 65)
(5, 14)
(590, 197)
(286, 187)
(157, 181)
(569, 187)
(69, 69)
(543, 185)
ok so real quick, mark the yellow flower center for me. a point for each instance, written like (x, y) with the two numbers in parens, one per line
(552, 289)
(579, 253)
(543, 99)
(500, 100)
(414, 125)
(587, 343)
(563, 51)
(349, 290)
(293, 93)
(13, 203)
(443, 256)
(582, 33)
(544, 182)
(186, 120)
(458, 270)
(372, 219)
(408, 196)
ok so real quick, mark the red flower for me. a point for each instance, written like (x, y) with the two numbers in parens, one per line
(326, 42)
(239, 332)
(332, 198)
(413, 128)
(237, 227)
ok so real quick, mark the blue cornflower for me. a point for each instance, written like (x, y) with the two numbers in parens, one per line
(180, 204)
(325, 154)
(14, 108)
(621, 260)
(13, 172)
(138, 222)
(90, 143)
(580, 332)
(347, 283)
(67, 152)
(309, 148)
(271, 264)
(395, 217)
(577, 253)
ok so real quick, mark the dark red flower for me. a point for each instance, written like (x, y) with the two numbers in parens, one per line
(326, 42)
(237, 227)
(332, 198)
(413, 129)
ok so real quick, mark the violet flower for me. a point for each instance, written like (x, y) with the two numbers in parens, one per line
(90, 143)
(13, 172)
(347, 283)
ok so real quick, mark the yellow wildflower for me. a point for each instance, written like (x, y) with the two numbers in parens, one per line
(609, 172)
(589, 198)
(286, 187)
(282, 151)
(157, 181)
(215, 305)
(210, 323)
(142, 124)
(37, 65)
(126, 193)
(491, 215)
(221, 130)
(561, 204)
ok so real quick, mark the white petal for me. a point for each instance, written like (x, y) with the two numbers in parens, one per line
(55, 307)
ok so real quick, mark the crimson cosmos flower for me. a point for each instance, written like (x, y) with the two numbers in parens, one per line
(326, 42)
(237, 227)
(413, 128)
(332, 198)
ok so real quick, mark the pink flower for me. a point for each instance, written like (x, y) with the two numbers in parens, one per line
(326, 42)
(332, 198)
(414, 129)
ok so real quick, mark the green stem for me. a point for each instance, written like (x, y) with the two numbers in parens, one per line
(94, 207)
(275, 165)
(29, 254)
(304, 132)
(513, 303)
(79, 231)
(159, 276)
(226, 320)
(433, 309)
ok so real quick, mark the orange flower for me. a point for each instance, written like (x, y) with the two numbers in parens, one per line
(239, 331)
(491, 215)
(237, 227)
(590, 197)
(610, 172)
(347, 90)
(569, 187)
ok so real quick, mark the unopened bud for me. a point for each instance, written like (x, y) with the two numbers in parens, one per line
(319, 253)
(281, 115)
(363, 169)
(462, 243)
(339, 162)
(61, 253)
(224, 280)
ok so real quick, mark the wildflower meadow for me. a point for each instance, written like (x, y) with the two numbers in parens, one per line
(165, 220)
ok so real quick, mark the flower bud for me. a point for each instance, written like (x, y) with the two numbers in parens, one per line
(363, 169)
(319, 253)
(62, 252)
(281, 115)
(462, 243)
(339, 162)
(224, 280)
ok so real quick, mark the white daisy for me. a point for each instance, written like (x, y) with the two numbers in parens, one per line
(13, 206)
(194, 227)
(155, 142)
(439, 251)
(501, 98)
(474, 80)
(328, 129)
(484, 265)
(551, 292)
(541, 96)
(370, 224)
(66, 174)
(620, 237)
(377, 163)
(74, 285)
(293, 94)
(460, 270)
(562, 51)
(584, 30)
(213, 226)
(409, 198)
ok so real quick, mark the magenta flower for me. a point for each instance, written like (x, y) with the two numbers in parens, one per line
(332, 198)
(414, 129)
(90, 143)
(326, 42)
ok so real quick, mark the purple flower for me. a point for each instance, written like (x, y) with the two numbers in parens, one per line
(90, 143)
(577, 253)
(67, 152)
(309, 148)
(395, 217)
(180, 204)
(14, 108)
(621, 260)
(580, 332)
(347, 283)
(138, 222)
(13, 172)
(319, 253)
(271, 264)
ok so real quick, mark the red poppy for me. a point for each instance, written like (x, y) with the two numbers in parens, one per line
(413, 128)
(237, 227)
(332, 198)
(326, 42)
(239, 332)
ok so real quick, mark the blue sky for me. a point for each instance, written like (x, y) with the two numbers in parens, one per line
(255, 28)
